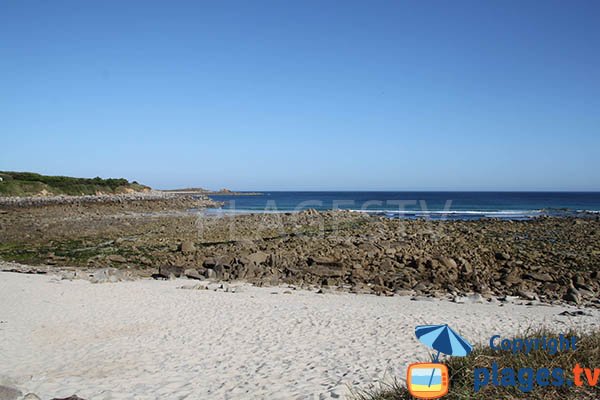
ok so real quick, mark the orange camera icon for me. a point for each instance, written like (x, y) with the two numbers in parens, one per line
(427, 380)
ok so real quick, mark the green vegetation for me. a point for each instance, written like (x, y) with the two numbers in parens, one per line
(29, 183)
(461, 370)
(76, 252)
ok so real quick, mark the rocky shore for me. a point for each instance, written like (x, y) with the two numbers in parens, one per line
(544, 259)
(129, 198)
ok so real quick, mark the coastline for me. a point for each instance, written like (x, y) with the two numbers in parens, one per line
(546, 259)
(285, 305)
(149, 199)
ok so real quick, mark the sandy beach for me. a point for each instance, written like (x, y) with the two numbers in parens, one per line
(149, 339)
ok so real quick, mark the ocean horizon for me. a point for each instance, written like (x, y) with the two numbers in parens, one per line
(516, 205)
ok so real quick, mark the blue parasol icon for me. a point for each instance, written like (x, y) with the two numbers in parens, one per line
(443, 339)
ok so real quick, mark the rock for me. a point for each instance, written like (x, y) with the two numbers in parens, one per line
(541, 277)
(329, 282)
(502, 256)
(9, 393)
(323, 271)
(448, 262)
(145, 261)
(169, 271)
(493, 300)
(187, 247)
(193, 274)
(467, 268)
(258, 258)
(423, 298)
(527, 295)
(584, 287)
(508, 299)
(74, 397)
(116, 258)
(513, 277)
(31, 396)
(577, 313)
(221, 271)
(572, 296)
(209, 262)
(326, 261)
(579, 280)
(420, 287)
(586, 294)
(210, 274)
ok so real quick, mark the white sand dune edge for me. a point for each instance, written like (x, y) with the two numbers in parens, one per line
(149, 340)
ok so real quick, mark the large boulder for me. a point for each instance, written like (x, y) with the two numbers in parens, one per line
(192, 273)
(572, 296)
(170, 271)
(222, 271)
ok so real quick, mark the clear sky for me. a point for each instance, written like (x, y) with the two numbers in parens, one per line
(304, 95)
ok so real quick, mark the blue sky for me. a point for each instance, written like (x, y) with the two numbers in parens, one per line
(304, 95)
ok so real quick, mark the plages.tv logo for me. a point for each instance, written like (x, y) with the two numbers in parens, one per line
(430, 380)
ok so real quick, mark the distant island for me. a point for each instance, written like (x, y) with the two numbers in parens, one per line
(33, 184)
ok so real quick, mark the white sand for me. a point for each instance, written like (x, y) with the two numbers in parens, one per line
(150, 340)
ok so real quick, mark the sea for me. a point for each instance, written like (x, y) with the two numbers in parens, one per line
(412, 205)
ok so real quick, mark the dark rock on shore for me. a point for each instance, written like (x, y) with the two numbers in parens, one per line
(170, 271)
(193, 274)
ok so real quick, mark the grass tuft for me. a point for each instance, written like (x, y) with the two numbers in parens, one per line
(461, 371)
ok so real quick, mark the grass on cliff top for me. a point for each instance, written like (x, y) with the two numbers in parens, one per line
(29, 183)
(461, 371)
